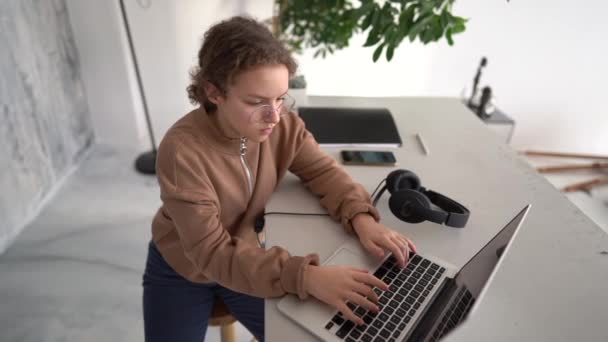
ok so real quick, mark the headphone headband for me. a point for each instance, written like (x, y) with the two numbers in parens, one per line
(379, 194)
(412, 203)
(457, 214)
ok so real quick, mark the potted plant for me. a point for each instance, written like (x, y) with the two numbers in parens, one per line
(297, 90)
(328, 25)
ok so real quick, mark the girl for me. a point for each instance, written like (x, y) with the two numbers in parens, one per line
(217, 167)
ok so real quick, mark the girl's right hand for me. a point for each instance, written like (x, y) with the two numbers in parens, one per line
(338, 284)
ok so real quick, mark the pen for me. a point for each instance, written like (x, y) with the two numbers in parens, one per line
(424, 149)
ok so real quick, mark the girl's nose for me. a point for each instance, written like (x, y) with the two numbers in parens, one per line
(273, 115)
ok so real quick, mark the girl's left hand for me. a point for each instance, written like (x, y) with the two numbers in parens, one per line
(376, 238)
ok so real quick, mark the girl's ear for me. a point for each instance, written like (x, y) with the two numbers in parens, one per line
(213, 93)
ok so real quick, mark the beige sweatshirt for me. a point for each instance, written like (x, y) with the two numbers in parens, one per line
(204, 228)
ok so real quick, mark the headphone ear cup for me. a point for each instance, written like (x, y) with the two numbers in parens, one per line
(399, 180)
(407, 205)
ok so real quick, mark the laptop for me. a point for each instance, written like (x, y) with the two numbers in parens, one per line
(426, 300)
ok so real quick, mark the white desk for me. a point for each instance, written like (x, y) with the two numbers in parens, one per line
(552, 285)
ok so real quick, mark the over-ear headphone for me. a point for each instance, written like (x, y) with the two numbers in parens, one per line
(412, 203)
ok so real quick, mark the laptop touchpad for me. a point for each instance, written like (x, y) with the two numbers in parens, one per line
(344, 256)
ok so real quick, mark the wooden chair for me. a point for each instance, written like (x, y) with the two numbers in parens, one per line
(221, 317)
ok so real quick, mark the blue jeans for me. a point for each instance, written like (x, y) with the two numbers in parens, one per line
(176, 309)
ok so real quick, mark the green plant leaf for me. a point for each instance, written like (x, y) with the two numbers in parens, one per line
(457, 28)
(373, 37)
(376, 16)
(377, 52)
(389, 52)
(437, 27)
(458, 20)
(418, 26)
(410, 13)
(390, 35)
(427, 6)
(368, 19)
(405, 22)
(445, 19)
(426, 35)
(448, 36)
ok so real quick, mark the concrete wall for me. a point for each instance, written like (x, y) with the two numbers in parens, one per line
(45, 126)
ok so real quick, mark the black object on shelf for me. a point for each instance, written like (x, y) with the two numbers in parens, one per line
(482, 64)
(145, 162)
(482, 108)
(481, 105)
(340, 126)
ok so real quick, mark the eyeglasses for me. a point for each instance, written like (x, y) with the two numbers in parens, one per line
(264, 113)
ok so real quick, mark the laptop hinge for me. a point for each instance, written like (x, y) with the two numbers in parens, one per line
(433, 313)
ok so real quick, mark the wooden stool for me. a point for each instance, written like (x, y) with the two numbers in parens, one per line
(221, 317)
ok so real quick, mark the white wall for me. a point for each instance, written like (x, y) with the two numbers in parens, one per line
(108, 73)
(167, 36)
(546, 65)
(45, 126)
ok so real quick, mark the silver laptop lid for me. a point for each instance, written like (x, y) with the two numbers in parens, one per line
(476, 275)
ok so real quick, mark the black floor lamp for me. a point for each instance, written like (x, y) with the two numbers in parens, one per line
(145, 162)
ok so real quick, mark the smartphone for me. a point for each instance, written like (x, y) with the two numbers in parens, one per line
(383, 158)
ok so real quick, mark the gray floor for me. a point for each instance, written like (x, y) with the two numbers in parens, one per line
(75, 273)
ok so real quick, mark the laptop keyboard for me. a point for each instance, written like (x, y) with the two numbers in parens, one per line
(455, 314)
(408, 287)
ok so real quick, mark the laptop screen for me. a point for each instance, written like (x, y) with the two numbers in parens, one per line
(477, 271)
(474, 276)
